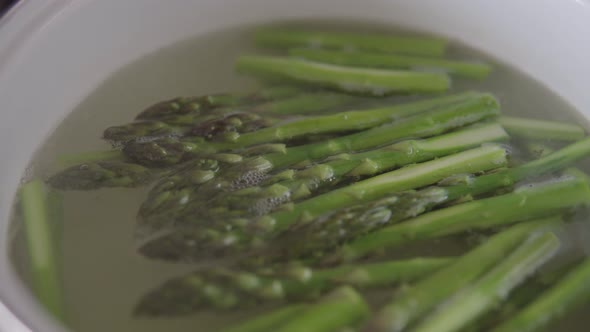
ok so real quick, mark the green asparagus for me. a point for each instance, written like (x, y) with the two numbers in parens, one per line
(191, 106)
(73, 159)
(524, 203)
(210, 237)
(339, 309)
(414, 301)
(34, 199)
(223, 288)
(391, 61)
(526, 294)
(90, 176)
(180, 196)
(267, 322)
(494, 286)
(302, 183)
(368, 81)
(573, 290)
(342, 225)
(542, 129)
(473, 106)
(288, 38)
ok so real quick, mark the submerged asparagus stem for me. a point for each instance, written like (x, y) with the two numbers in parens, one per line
(472, 107)
(34, 200)
(392, 61)
(217, 123)
(288, 38)
(190, 199)
(207, 237)
(295, 282)
(339, 309)
(302, 183)
(73, 159)
(571, 291)
(268, 321)
(414, 301)
(480, 159)
(356, 80)
(179, 108)
(522, 204)
(90, 176)
(542, 129)
(493, 288)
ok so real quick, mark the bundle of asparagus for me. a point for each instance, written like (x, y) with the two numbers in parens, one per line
(292, 187)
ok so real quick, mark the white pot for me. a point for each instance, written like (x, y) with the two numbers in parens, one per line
(54, 53)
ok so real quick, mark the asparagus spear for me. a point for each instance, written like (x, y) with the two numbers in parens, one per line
(288, 38)
(542, 129)
(307, 103)
(34, 199)
(391, 61)
(522, 204)
(573, 290)
(182, 106)
(215, 239)
(90, 176)
(253, 171)
(72, 159)
(367, 81)
(267, 322)
(421, 297)
(224, 288)
(524, 295)
(339, 309)
(480, 159)
(494, 286)
(349, 223)
(474, 107)
(303, 183)
(226, 120)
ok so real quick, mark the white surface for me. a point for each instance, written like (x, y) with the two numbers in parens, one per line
(9, 323)
(52, 54)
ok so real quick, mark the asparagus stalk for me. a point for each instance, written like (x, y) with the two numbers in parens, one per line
(542, 129)
(72, 159)
(34, 199)
(391, 61)
(303, 183)
(215, 239)
(573, 290)
(267, 322)
(522, 204)
(346, 224)
(181, 107)
(253, 171)
(479, 159)
(414, 301)
(473, 107)
(224, 289)
(357, 80)
(288, 38)
(307, 104)
(226, 120)
(90, 176)
(339, 309)
(342, 225)
(348, 121)
(523, 296)
(494, 286)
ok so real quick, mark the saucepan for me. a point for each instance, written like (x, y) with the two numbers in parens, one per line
(54, 53)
